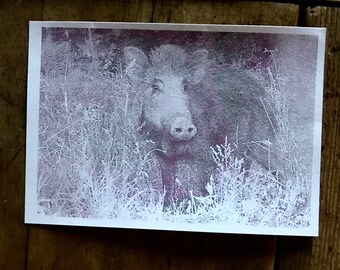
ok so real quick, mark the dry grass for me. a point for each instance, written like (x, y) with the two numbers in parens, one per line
(92, 162)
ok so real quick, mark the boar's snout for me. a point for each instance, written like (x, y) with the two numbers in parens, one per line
(183, 129)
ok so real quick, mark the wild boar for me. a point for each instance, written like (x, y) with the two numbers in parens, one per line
(190, 104)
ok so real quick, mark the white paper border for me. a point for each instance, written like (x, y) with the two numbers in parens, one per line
(32, 129)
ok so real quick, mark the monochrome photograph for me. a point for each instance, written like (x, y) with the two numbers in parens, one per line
(206, 128)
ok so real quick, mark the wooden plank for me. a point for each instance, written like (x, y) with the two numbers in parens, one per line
(124, 11)
(325, 2)
(13, 67)
(57, 247)
(93, 248)
(218, 12)
(323, 252)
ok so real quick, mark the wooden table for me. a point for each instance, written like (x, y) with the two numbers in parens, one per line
(57, 247)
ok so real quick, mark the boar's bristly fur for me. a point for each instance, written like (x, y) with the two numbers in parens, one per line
(191, 104)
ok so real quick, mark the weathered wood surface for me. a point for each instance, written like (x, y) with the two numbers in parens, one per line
(13, 68)
(202, 11)
(57, 247)
(323, 252)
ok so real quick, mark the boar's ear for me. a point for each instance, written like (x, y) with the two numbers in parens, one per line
(197, 65)
(136, 63)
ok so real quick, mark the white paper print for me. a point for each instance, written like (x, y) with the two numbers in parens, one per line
(209, 128)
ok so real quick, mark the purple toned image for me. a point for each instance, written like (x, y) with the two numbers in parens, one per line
(215, 128)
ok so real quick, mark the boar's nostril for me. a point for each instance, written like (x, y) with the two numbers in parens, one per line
(182, 130)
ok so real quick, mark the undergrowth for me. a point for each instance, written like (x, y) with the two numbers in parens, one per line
(92, 163)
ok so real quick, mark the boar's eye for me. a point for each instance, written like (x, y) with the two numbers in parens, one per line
(185, 86)
(156, 88)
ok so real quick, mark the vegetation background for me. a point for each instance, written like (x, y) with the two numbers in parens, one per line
(93, 163)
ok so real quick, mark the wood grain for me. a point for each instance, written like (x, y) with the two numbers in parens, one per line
(323, 252)
(13, 67)
(58, 247)
(93, 248)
